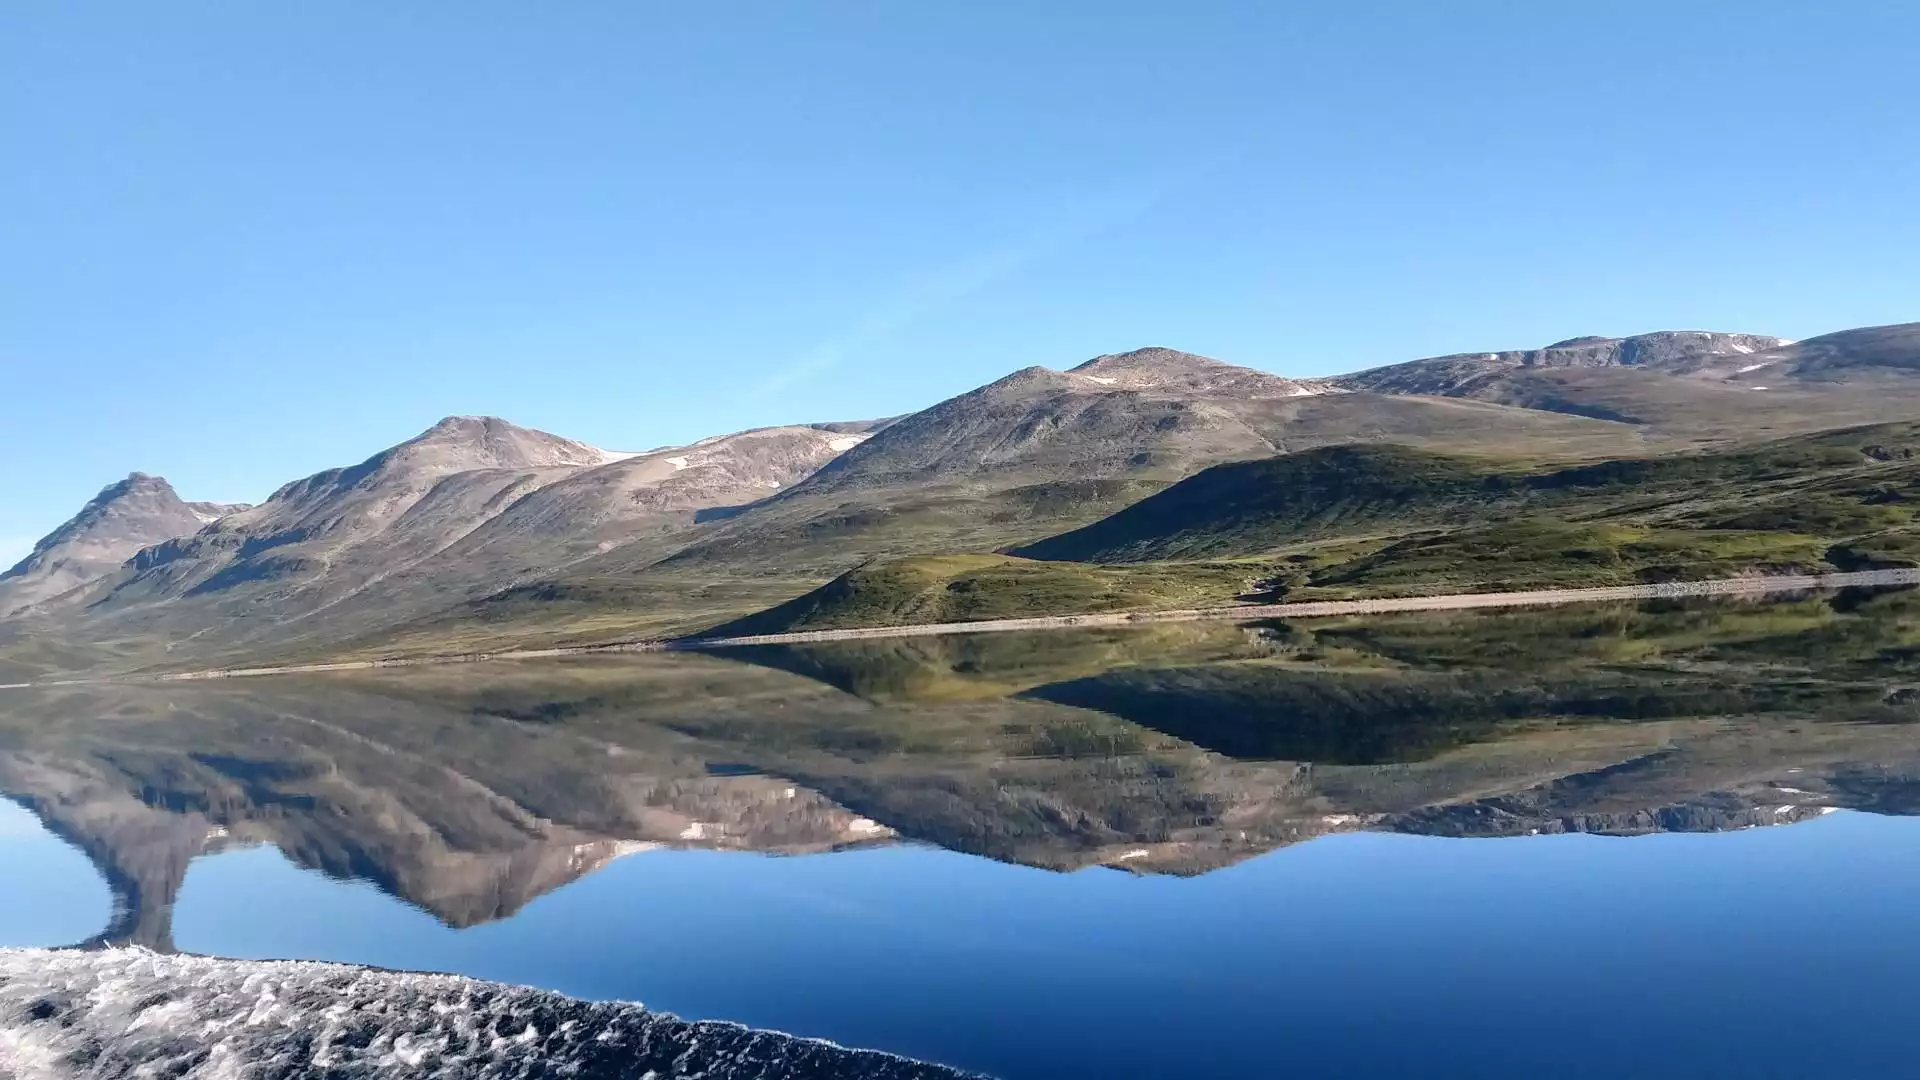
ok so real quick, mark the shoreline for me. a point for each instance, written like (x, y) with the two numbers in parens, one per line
(1740, 586)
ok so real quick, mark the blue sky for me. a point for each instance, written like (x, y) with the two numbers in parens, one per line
(244, 242)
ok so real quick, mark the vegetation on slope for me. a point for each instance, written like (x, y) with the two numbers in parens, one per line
(1373, 520)
(1536, 553)
(1247, 508)
(960, 588)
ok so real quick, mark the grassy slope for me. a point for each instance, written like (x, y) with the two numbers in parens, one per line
(1390, 520)
(580, 611)
(958, 588)
(1543, 553)
(1248, 508)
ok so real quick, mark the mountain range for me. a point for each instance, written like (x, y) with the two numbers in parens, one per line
(481, 533)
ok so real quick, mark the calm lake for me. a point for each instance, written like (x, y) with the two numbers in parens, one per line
(1648, 841)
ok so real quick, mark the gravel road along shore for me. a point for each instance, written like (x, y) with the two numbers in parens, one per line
(1322, 608)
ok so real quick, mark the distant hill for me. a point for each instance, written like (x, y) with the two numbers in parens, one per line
(1686, 387)
(1882, 353)
(1467, 374)
(125, 517)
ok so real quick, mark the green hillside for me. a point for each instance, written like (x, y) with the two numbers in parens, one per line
(1378, 520)
(1248, 507)
(963, 588)
(1841, 484)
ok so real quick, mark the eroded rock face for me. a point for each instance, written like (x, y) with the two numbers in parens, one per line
(341, 528)
(129, 1012)
(126, 516)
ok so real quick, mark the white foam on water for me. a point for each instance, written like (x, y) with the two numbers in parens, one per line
(70, 1015)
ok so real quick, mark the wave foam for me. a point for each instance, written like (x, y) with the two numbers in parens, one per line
(66, 1014)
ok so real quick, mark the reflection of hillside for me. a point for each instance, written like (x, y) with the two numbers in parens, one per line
(969, 667)
(470, 790)
(467, 816)
(1358, 729)
(1255, 710)
(1013, 780)
(1386, 690)
(1705, 777)
(141, 852)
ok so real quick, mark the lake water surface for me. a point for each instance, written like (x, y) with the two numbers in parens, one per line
(1621, 841)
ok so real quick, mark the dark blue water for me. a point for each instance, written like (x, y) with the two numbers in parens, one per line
(1779, 952)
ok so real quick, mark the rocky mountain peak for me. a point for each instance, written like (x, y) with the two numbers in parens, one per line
(1155, 358)
(126, 516)
(1157, 368)
(1661, 348)
(135, 484)
(1670, 352)
(461, 443)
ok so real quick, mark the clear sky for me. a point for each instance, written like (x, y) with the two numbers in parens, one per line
(242, 242)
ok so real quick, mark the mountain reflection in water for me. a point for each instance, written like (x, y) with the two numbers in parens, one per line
(468, 791)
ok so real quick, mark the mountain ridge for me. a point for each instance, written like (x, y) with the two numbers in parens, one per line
(475, 507)
(124, 518)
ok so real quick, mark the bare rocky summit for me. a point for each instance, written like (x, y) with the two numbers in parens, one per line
(659, 489)
(1154, 411)
(470, 505)
(339, 529)
(1686, 387)
(1169, 371)
(125, 517)
(1467, 374)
